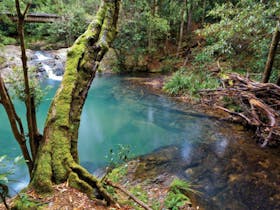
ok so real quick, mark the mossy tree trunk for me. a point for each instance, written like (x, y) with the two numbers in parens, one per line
(57, 156)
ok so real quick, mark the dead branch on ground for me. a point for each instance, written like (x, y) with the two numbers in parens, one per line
(130, 195)
(255, 104)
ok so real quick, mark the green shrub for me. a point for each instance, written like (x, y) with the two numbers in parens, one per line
(17, 85)
(177, 194)
(203, 57)
(119, 155)
(241, 33)
(177, 84)
(189, 83)
(72, 25)
(118, 173)
(140, 193)
(4, 40)
(7, 168)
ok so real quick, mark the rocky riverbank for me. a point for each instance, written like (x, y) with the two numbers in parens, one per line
(46, 63)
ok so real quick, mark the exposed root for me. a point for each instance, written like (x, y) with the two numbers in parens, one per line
(257, 105)
(81, 179)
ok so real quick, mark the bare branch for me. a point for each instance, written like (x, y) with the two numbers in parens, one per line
(18, 9)
(26, 10)
(33, 132)
(259, 104)
(15, 123)
(130, 195)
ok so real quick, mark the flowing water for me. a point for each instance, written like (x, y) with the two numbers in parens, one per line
(229, 169)
(43, 59)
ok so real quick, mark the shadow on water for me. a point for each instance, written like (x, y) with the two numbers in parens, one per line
(222, 159)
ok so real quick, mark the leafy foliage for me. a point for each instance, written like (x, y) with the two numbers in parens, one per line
(8, 168)
(183, 82)
(24, 202)
(72, 25)
(119, 155)
(140, 193)
(143, 22)
(17, 85)
(177, 195)
(242, 32)
(117, 167)
(73, 22)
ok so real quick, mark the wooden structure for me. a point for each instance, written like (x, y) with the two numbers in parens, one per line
(35, 17)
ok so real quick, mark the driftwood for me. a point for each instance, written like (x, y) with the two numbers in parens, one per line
(119, 187)
(257, 105)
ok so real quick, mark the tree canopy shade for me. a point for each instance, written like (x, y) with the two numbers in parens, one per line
(56, 156)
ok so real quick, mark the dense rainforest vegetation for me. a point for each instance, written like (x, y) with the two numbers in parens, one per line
(149, 31)
(157, 30)
(222, 54)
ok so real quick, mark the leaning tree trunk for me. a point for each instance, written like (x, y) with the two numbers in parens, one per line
(272, 53)
(57, 158)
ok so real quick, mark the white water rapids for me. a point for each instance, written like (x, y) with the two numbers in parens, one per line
(51, 75)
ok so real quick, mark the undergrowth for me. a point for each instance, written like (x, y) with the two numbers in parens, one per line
(177, 196)
(185, 82)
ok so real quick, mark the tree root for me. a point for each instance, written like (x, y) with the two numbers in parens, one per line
(82, 180)
(257, 105)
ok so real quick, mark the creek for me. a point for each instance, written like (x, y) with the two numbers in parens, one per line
(221, 159)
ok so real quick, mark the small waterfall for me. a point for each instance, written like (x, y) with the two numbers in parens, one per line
(45, 60)
(41, 57)
(50, 73)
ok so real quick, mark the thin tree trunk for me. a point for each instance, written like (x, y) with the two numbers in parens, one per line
(204, 11)
(15, 122)
(166, 52)
(29, 94)
(183, 12)
(271, 54)
(57, 158)
(189, 24)
(150, 33)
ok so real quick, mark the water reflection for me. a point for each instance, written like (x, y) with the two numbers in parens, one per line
(150, 115)
(207, 152)
(186, 152)
(221, 145)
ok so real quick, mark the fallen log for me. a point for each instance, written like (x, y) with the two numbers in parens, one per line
(258, 105)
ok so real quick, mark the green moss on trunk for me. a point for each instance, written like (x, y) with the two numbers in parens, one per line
(57, 157)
